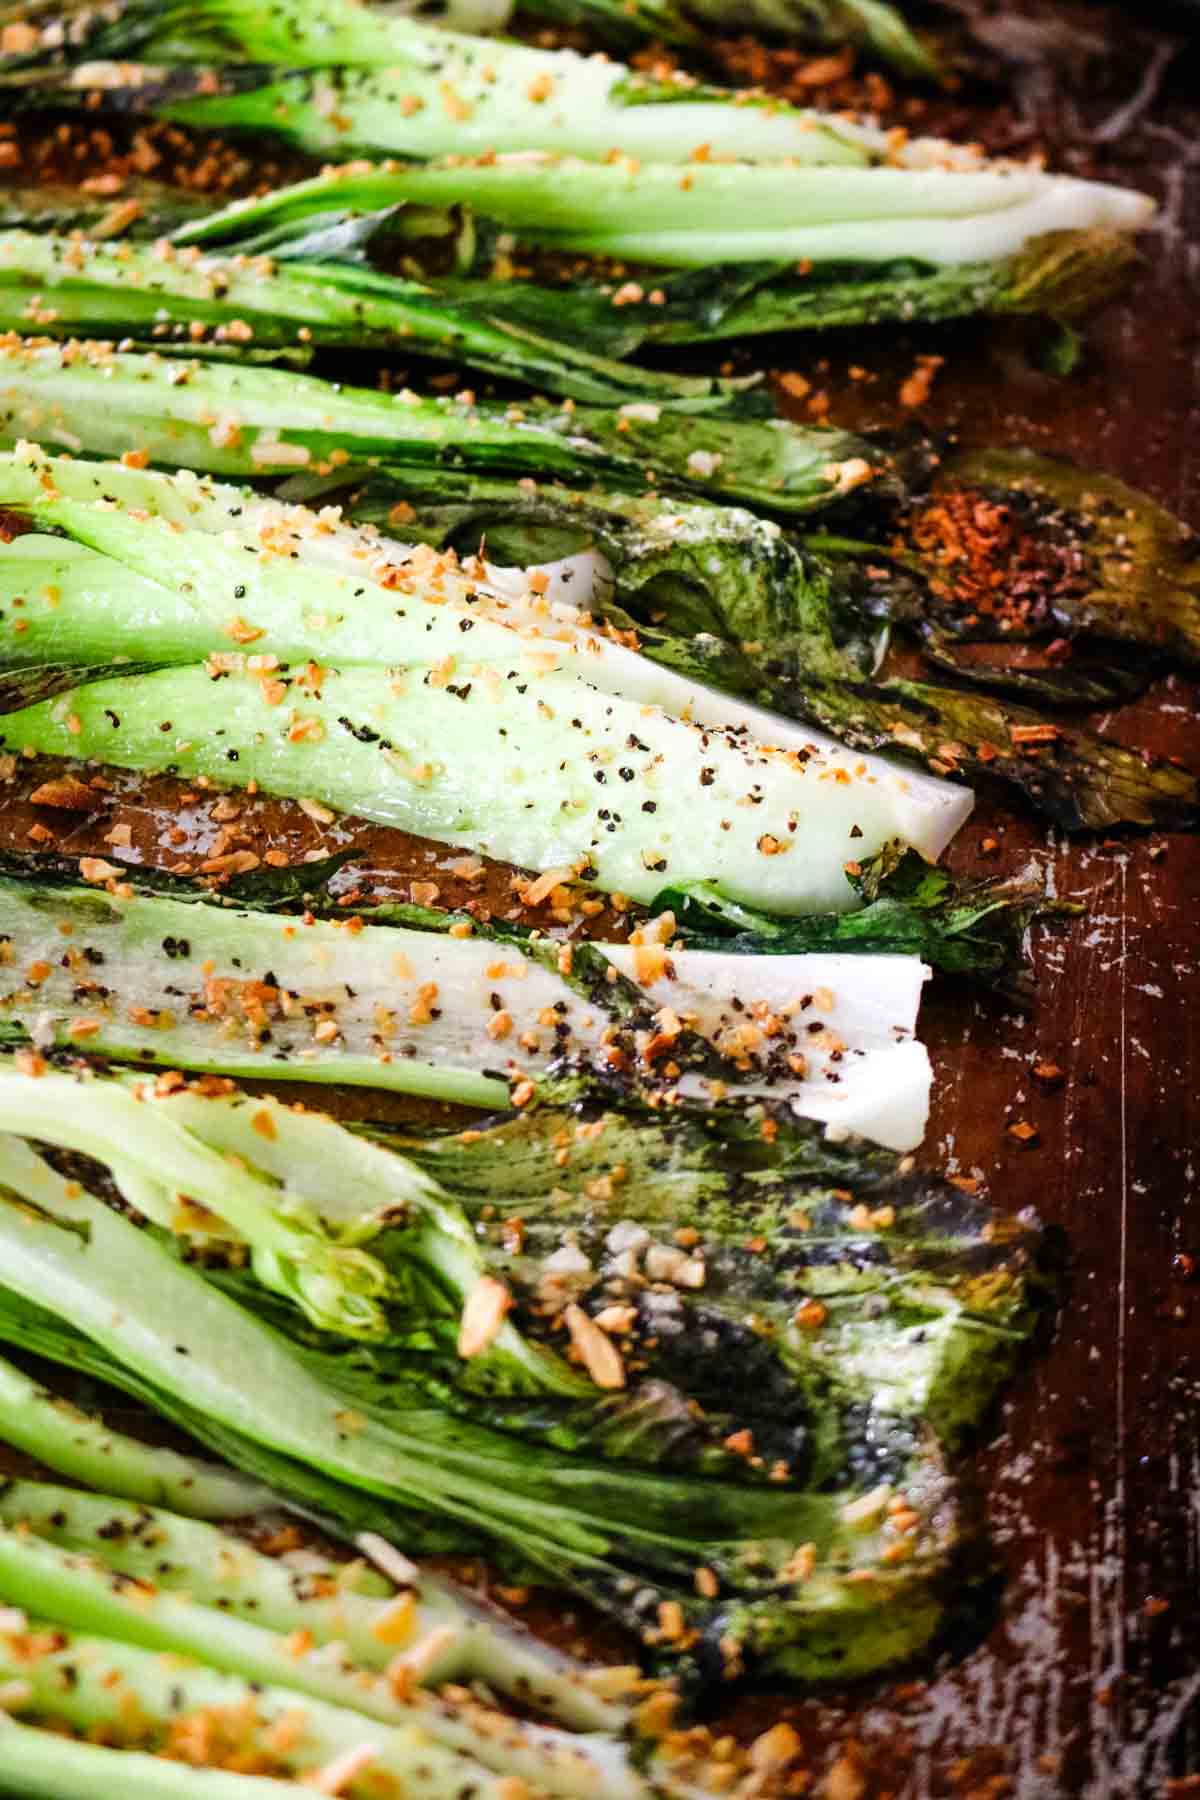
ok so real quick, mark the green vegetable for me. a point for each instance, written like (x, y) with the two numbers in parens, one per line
(83, 1447)
(317, 288)
(431, 1747)
(90, 1683)
(342, 80)
(248, 993)
(247, 420)
(1060, 273)
(949, 1324)
(565, 340)
(333, 35)
(1081, 781)
(79, 1592)
(73, 288)
(385, 749)
(924, 1307)
(972, 928)
(496, 661)
(336, 213)
(333, 1507)
(957, 224)
(720, 600)
(878, 28)
(385, 81)
(354, 1609)
(39, 1765)
(1128, 570)
(161, 1170)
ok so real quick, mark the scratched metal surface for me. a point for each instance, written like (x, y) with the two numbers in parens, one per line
(1078, 1674)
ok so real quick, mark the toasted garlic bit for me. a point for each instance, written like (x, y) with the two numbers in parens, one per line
(95, 869)
(397, 1623)
(868, 1509)
(596, 1350)
(484, 1313)
(337, 1776)
(848, 475)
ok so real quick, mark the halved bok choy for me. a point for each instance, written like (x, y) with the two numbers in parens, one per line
(787, 1466)
(458, 1017)
(711, 597)
(938, 219)
(242, 419)
(373, 78)
(402, 690)
(314, 265)
(344, 80)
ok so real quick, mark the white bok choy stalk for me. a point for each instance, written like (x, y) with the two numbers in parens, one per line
(465, 1018)
(427, 701)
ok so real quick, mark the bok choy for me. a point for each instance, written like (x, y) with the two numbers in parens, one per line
(876, 25)
(928, 207)
(232, 1622)
(69, 287)
(580, 150)
(244, 419)
(826, 1517)
(84, 1448)
(376, 79)
(306, 266)
(486, 731)
(457, 1017)
(711, 598)
(722, 598)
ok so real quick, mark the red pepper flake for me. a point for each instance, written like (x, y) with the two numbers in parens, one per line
(987, 564)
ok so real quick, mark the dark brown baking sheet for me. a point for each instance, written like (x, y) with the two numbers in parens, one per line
(1077, 1671)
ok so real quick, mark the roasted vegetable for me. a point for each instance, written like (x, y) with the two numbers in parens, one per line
(894, 1305)
(343, 80)
(244, 419)
(218, 28)
(454, 1016)
(177, 1633)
